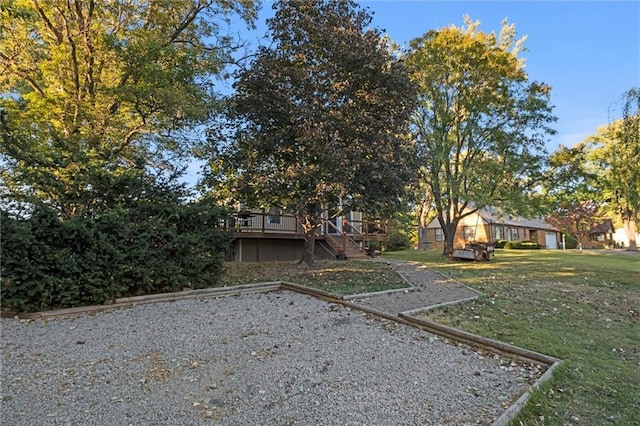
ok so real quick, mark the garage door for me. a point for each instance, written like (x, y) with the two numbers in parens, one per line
(550, 240)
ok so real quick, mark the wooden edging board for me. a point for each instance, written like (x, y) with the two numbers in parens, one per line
(481, 342)
(515, 408)
(126, 302)
(402, 318)
(378, 293)
(471, 339)
(439, 305)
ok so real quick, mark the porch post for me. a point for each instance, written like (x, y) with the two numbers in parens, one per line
(343, 230)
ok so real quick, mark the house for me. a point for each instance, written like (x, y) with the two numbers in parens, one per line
(621, 239)
(489, 225)
(600, 236)
(270, 235)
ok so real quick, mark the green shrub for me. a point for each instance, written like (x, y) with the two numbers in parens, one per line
(154, 244)
(510, 245)
(570, 241)
(521, 245)
(500, 243)
(49, 263)
(398, 241)
(529, 245)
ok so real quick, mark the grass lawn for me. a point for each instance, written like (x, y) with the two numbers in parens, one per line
(581, 307)
(337, 277)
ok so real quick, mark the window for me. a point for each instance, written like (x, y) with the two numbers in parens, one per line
(439, 234)
(515, 234)
(274, 215)
(498, 232)
(469, 233)
(512, 234)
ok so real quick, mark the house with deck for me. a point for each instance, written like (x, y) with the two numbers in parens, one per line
(270, 235)
(488, 225)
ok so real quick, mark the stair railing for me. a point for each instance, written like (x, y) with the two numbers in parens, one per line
(346, 238)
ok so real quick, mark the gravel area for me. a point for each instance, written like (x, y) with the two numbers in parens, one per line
(258, 359)
(430, 288)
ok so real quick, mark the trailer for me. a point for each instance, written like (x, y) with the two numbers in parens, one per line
(475, 251)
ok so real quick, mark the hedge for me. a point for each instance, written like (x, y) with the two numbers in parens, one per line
(140, 249)
(521, 245)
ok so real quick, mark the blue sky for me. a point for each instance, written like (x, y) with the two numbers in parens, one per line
(588, 51)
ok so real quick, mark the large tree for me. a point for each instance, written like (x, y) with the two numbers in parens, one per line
(319, 118)
(481, 125)
(424, 211)
(570, 192)
(98, 88)
(615, 156)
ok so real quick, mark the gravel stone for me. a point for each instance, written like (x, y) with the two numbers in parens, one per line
(429, 288)
(273, 358)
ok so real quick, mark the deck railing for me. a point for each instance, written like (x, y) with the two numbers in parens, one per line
(265, 223)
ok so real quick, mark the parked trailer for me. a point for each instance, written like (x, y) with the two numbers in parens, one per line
(475, 251)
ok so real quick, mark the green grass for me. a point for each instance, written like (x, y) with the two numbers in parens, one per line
(581, 307)
(337, 277)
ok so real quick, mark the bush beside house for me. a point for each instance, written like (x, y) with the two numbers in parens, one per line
(147, 248)
(521, 245)
(398, 241)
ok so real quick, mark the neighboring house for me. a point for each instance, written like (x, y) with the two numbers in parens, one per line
(621, 240)
(488, 225)
(270, 235)
(600, 236)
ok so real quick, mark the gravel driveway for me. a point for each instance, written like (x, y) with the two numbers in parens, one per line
(258, 359)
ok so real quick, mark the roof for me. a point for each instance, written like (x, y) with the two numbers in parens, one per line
(605, 227)
(494, 215)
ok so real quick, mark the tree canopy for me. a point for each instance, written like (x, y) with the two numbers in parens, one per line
(480, 125)
(571, 194)
(319, 118)
(614, 154)
(93, 89)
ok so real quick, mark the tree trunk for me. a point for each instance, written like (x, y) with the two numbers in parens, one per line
(449, 231)
(422, 238)
(629, 225)
(308, 256)
(309, 226)
(424, 218)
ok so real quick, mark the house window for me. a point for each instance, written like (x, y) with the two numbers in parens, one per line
(515, 235)
(274, 215)
(469, 233)
(498, 232)
(439, 234)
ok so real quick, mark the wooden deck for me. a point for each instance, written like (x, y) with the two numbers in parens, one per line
(344, 236)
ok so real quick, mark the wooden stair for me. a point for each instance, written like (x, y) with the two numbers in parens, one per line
(351, 248)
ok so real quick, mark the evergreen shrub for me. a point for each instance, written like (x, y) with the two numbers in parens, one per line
(570, 241)
(146, 247)
(398, 241)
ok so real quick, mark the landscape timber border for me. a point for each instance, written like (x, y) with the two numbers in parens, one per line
(463, 337)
